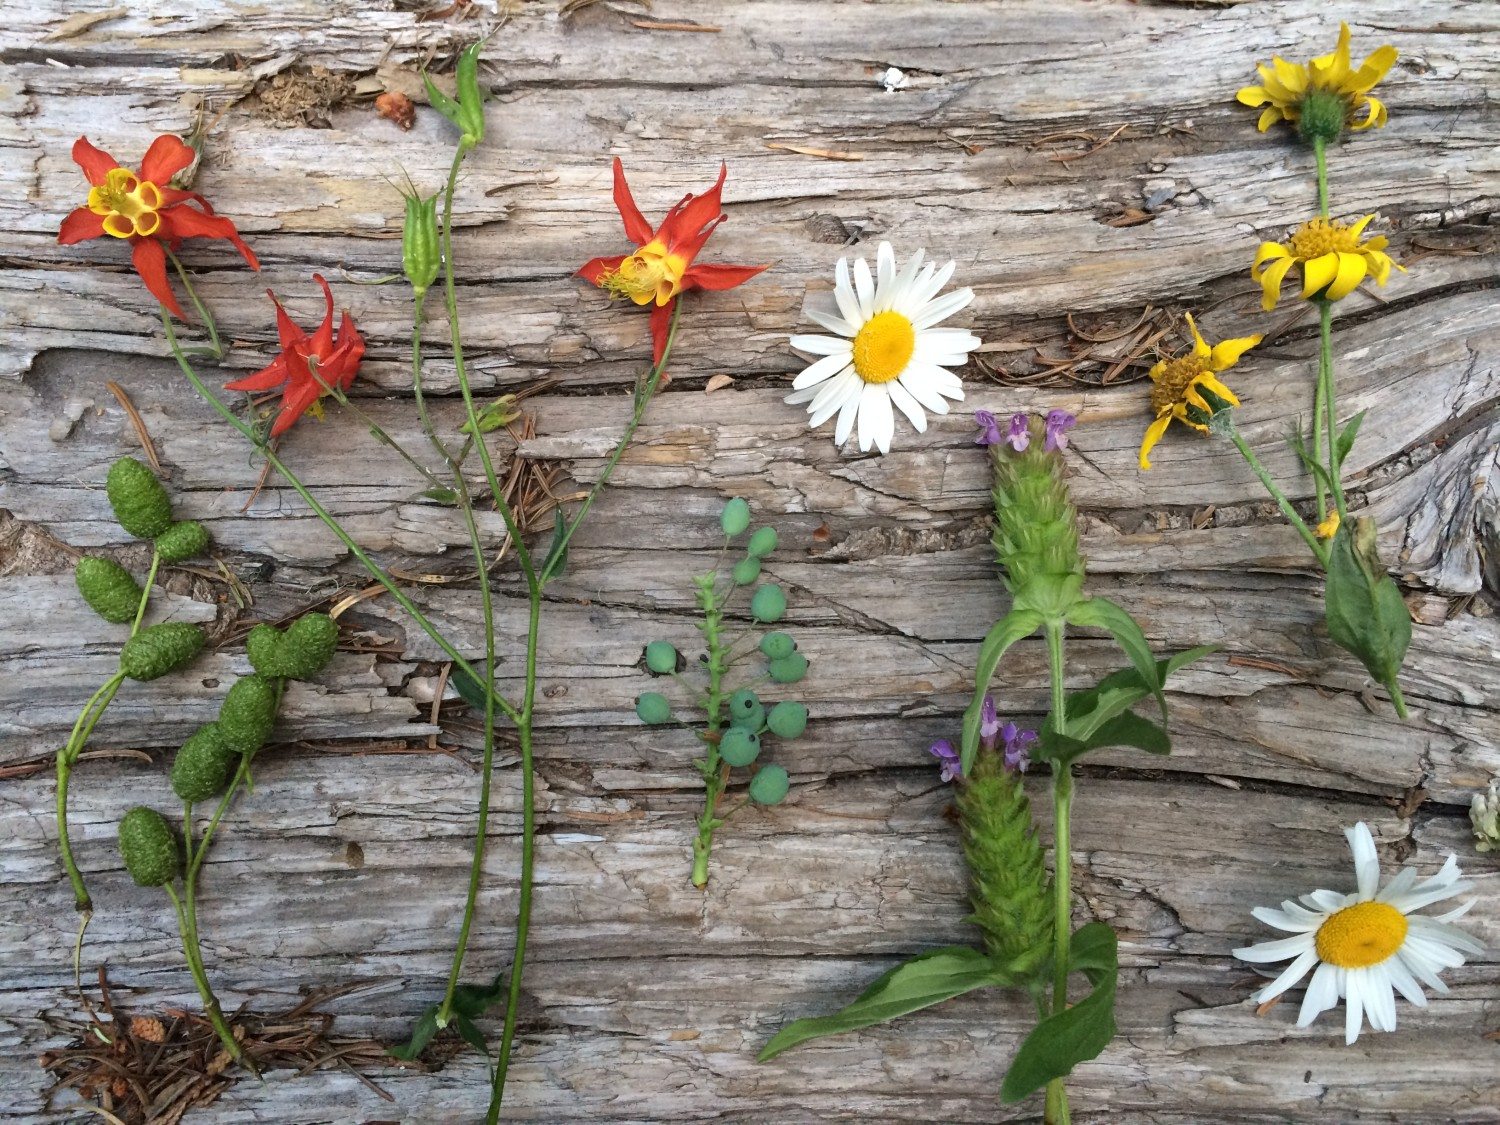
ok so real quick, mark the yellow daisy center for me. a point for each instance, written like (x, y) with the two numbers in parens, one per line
(1317, 237)
(128, 203)
(650, 274)
(1170, 388)
(1361, 935)
(883, 347)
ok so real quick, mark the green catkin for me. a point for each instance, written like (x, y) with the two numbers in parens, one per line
(263, 646)
(307, 645)
(1036, 527)
(182, 541)
(159, 649)
(109, 589)
(1009, 888)
(203, 766)
(141, 505)
(247, 714)
(149, 848)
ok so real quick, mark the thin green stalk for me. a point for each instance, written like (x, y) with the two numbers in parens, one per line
(1057, 1112)
(1320, 153)
(1317, 548)
(715, 775)
(1326, 385)
(1398, 701)
(419, 302)
(216, 348)
(194, 957)
(1320, 411)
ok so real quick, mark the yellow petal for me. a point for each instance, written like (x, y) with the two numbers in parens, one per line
(1374, 114)
(1252, 95)
(1200, 345)
(1268, 251)
(1268, 117)
(1359, 228)
(1376, 67)
(1379, 266)
(1290, 75)
(1209, 383)
(1155, 373)
(1270, 282)
(1351, 271)
(1227, 353)
(1153, 435)
(1379, 242)
(1319, 273)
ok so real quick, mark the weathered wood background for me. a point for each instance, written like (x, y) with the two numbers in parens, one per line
(647, 999)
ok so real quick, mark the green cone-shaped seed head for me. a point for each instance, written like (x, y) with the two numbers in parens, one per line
(768, 604)
(307, 645)
(735, 518)
(661, 658)
(1036, 527)
(159, 649)
(247, 714)
(182, 541)
(149, 848)
(738, 746)
(108, 588)
(769, 785)
(777, 645)
(652, 708)
(788, 719)
(141, 505)
(263, 646)
(1008, 883)
(203, 766)
(762, 543)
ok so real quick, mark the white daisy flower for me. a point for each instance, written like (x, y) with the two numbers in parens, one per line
(1366, 944)
(887, 350)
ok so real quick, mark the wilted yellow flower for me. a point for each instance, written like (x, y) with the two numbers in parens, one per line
(1329, 527)
(1333, 257)
(1187, 388)
(1323, 97)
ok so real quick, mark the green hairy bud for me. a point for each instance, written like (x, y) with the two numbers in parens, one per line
(203, 766)
(149, 848)
(420, 258)
(140, 503)
(307, 645)
(1009, 888)
(182, 541)
(1036, 528)
(160, 649)
(108, 588)
(247, 714)
(263, 646)
(1322, 116)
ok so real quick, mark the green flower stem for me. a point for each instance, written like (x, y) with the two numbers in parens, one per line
(715, 774)
(419, 302)
(189, 933)
(1398, 701)
(1320, 154)
(216, 348)
(1326, 386)
(1057, 1112)
(1320, 411)
(1317, 548)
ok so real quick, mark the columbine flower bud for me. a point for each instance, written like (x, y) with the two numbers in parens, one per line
(420, 257)
(467, 111)
(1485, 815)
(1036, 533)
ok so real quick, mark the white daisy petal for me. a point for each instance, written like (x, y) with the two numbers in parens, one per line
(1398, 886)
(876, 424)
(1299, 913)
(1281, 920)
(905, 279)
(1418, 898)
(843, 293)
(1327, 901)
(1440, 931)
(1404, 982)
(942, 308)
(928, 286)
(822, 345)
(1366, 862)
(1291, 975)
(1354, 1005)
(1322, 994)
(922, 388)
(864, 289)
(902, 400)
(885, 276)
(825, 368)
(1380, 1001)
(831, 397)
(831, 321)
(1422, 969)
(1278, 950)
(847, 413)
(1457, 912)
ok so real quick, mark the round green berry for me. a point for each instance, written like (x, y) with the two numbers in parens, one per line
(753, 719)
(768, 604)
(769, 785)
(739, 747)
(653, 709)
(746, 571)
(763, 542)
(735, 518)
(661, 658)
(743, 702)
(108, 588)
(140, 503)
(149, 848)
(777, 645)
(789, 669)
(787, 719)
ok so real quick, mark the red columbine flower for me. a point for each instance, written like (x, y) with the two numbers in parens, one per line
(142, 209)
(662, 266)
(335, 359)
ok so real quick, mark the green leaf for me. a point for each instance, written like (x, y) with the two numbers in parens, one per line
(468, 688)
(441, 496)
(919, 983)
(1365, 611)
(1101, 613)
(421, 1034)
(1016, 624)
(1077, 1034)
(1348, 434)
(559, 549)
(1311, 463)
(473, 1001)
(471, 1034)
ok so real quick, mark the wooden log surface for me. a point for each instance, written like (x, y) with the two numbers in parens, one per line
(645, 999)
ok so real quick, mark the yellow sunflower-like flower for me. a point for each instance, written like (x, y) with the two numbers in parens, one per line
(1334, 258)
(1187, 388)
(1324, 97)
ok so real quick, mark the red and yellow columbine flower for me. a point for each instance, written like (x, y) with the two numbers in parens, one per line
(661, 269)
(1324, 97)
(307, 365)
(143, 209)
(1333, 257)
(1188, 389)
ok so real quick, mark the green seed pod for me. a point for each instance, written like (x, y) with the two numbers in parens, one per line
(203, 766)
(159, 649)
(788, 719)
(140, 503)
(789, 669)
(662, 658)
(754, 719)
(735, 518)
(777, 645)
(420, 258)
(739, 747)
(763, 542)
(108, 588)
(263, 646)
(149, 848)
(182, 541)
(307, 645)
(653, 709)
(470, 97)
(746, 571)
(769, 786)
(247, 714)
(768, 604)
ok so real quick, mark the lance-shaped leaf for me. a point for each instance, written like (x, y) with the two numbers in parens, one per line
(1016, 624)
(1101, 613)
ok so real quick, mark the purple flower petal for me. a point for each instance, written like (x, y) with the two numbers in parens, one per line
(1059, 422)
(989, 723)
(1020, 432)
(952, 764)
(989, 428)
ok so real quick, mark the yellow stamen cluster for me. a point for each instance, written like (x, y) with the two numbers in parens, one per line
(1361, 935)
(1334, 258)
(1323, 97)
(883, 347)
(649, 275)
(129, 204)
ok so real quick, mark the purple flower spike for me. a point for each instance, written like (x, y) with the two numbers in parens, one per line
(989, 428)
(1020, 432)
(952, 764)
(989, 723)
(1016, 742)
(1059, 422)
